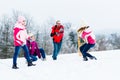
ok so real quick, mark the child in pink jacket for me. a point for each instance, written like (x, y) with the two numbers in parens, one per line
(89, 38)
(20, 36)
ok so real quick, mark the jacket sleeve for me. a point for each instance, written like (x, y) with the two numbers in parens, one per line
(61, 29)
(23, 36)
(32, 48)
(61, 32)
(85, 36)
(53, 32)
(38, 51)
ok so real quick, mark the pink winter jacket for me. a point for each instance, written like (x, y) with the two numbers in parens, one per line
(19, 33)
(88, 36)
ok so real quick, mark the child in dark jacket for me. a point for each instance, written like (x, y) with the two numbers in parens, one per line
(35, 50)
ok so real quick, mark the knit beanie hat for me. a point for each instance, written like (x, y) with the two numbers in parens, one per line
(21, 19)
(19, 22)
(58, 21)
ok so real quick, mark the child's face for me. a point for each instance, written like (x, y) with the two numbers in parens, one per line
(32, 38)
(58, 24)
(24, 22)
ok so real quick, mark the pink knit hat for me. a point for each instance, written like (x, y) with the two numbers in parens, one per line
(21, 19)
(19, 22)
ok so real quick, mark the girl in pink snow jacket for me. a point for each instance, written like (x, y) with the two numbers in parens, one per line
(20, 36)
(89, 38)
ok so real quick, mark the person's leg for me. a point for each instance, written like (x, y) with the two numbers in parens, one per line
(85, 51)
(42, 53)
(54, 56)
(88, 47)
(59, 48)
(82, 48)
(17, 49)
(89, 55)
(33, 58)
(25, 48)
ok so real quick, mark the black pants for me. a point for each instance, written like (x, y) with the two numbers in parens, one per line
(84, 49)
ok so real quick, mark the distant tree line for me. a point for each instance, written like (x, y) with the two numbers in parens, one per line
(42, 33)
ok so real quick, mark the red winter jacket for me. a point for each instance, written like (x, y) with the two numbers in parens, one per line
(57, 33)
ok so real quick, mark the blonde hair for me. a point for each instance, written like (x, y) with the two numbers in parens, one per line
(82, 29)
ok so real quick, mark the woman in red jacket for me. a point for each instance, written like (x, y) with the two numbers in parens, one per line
(57, 36)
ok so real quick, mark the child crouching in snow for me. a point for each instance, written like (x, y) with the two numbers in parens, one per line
(34, 50)
(90, 41)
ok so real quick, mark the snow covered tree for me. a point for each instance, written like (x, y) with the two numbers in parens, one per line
(101, 42)
(115, 40)
(69, 40)
(73, 38)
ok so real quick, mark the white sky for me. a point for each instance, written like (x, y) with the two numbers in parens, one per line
(102, 15)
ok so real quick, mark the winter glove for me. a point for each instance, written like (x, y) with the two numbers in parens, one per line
(61, 30)
(57, 34)
(52, 34)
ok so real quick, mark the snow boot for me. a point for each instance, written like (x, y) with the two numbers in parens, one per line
(31, 64)
(93, 57)
(15, 66)
(54, 58)
(43, 59)
(85, 59)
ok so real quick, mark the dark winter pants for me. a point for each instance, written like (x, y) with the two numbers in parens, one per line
(84, 49)
(42, 52)
(33, 57)
(57, 47)
(17, 51)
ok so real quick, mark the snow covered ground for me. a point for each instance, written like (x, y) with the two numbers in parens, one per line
(67, 67)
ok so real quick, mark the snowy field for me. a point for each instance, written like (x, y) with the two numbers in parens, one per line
(67, 67)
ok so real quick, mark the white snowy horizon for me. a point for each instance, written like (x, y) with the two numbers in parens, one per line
(67, 67)
(102, 15)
